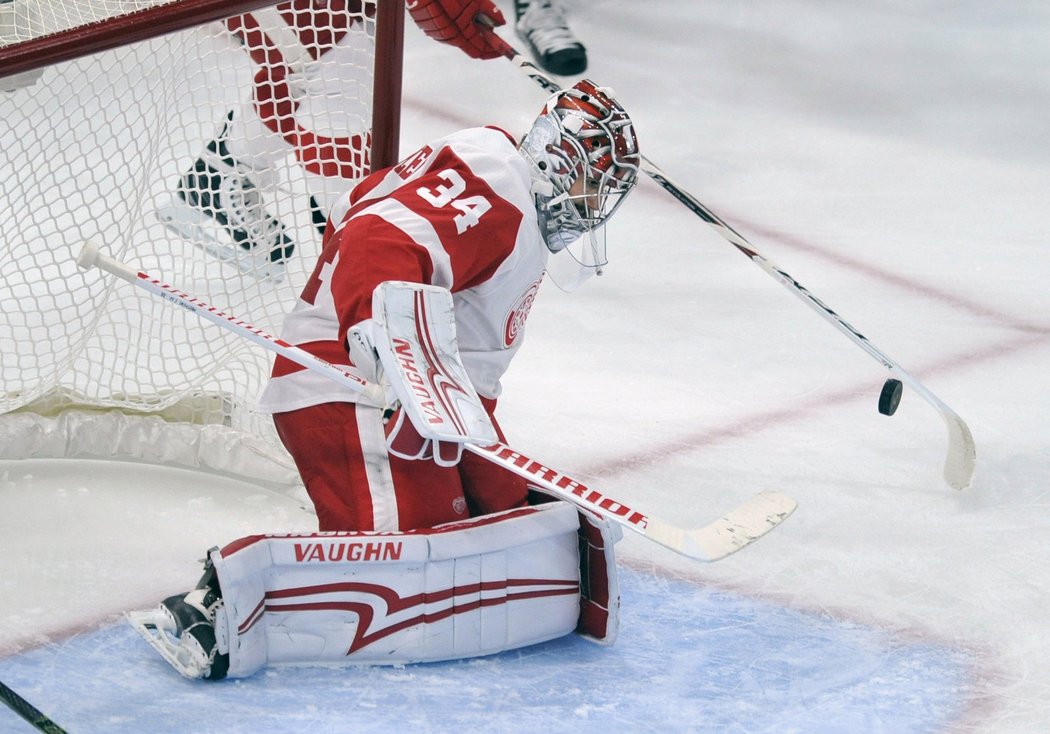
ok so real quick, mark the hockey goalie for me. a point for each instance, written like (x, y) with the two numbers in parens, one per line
(427, 274)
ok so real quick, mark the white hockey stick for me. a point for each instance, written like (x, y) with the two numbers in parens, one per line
(91, 257)
(961, 457)
(711, 542)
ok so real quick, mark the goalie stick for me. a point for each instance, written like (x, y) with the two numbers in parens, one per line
(961, 459)
(712, 542)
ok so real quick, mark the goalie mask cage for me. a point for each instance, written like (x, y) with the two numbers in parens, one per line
(106, 104)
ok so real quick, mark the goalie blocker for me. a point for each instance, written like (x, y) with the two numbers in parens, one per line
(464, 589)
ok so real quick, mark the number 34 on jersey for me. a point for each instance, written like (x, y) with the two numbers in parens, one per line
(450, 193)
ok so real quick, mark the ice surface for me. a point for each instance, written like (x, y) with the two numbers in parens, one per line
(698, 659)
(892, 157)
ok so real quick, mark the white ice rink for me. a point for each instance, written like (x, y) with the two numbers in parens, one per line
(894, 157)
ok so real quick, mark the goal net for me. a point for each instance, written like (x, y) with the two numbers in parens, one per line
(290, 102)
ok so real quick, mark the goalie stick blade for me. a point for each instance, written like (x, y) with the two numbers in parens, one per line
(729, 533)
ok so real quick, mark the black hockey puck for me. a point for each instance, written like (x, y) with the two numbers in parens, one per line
(890, 397)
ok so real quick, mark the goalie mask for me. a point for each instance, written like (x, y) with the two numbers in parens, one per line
(584, 158)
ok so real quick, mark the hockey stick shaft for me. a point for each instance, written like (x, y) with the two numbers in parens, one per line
(961, 456)
(29, 712)
(91, 256)
(709, 543)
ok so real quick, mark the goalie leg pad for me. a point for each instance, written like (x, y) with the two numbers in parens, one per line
(469, 588)
(599, 584)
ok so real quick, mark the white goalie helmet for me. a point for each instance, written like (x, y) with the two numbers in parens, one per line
(584, 156)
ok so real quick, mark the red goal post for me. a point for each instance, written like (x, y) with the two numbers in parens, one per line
(106, 106)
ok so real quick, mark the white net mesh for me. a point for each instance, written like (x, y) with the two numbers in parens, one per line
(22, 20)
(96, 149)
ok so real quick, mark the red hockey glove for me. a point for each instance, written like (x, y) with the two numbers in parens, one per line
(453, 21)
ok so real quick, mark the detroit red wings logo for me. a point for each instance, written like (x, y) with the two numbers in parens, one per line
(519, 312)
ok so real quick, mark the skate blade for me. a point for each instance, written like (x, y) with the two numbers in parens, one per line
(196, 227)
(156, 627)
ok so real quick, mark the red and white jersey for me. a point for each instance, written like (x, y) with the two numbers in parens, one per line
(458, 213)
(303, 51)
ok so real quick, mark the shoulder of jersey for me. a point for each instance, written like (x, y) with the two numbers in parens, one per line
(488, 138)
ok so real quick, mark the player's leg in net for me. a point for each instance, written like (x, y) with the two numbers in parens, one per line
(301, 107)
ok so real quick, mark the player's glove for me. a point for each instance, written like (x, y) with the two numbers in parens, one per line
(404, 441)
(454, 22)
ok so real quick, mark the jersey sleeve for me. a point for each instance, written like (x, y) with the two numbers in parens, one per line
(373, 251)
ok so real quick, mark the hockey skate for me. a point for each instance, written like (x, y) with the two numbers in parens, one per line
(543, 27)
(183, 630)
(218, 208)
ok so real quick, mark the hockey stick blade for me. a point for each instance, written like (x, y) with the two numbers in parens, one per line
(712, 542)
(961, 461)
(728, 534)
